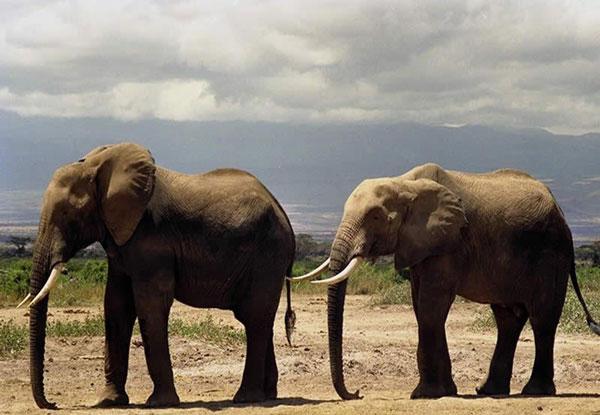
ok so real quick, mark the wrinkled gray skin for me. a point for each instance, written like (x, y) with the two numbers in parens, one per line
(496, 238)
(218, 239)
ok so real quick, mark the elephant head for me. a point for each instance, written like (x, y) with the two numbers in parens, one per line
(412, 219)
(101, 197)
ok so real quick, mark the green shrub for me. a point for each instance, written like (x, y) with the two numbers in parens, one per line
(14, 276)
(380, 280)
(83, 284)
(88, 270)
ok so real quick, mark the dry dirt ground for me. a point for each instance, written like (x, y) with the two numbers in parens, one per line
(380, 346)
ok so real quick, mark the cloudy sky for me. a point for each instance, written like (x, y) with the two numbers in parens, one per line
(517, 63)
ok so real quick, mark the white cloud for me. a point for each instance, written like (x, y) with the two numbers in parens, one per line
(530, 64)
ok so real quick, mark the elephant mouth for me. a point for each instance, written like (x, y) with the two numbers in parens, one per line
(373, 253)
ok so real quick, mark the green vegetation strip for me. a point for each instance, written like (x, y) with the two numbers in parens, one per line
(83, 285)
(14, 337)
(86, 280)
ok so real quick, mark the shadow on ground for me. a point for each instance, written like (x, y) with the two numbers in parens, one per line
(216, 406)
(520, 396)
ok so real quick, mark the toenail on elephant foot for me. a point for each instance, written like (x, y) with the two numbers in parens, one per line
(111, 396)
(250, 396)
(162, 399)
(490, 388)
(539, 388)
(432, 391)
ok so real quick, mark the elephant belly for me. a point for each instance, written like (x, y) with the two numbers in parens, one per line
(206, 290)
(493, 287)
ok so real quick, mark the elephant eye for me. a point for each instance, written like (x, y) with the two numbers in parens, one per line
(377, 213)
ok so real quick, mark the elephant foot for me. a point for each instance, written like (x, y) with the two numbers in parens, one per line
(250, 396)
(271, 394)
(111, 396)
(491, 388)
(271, 388)
(431, 391)
(162, 399)
(538, 387)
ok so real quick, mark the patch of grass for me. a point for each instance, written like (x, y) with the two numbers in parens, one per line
(13, 338)
(484, 321)
(74, 293)
(395, 294)
(208, 330)
(573, 318)
(91, 326)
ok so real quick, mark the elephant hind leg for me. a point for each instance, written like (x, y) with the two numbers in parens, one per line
(545, 314)
(259, 358)
(541, 381)
(259, 381)
(509, 321)
(271, 372)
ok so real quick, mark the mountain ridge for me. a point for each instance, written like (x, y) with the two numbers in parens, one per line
(312, 164)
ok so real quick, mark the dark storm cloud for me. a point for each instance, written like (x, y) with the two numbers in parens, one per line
(518, 63)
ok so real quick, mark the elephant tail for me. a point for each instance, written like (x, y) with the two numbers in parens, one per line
(290, 315)
(595, 327)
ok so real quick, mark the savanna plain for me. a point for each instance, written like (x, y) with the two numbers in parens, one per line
(208, 349)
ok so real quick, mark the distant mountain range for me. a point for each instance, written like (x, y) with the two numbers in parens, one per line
(314, 165)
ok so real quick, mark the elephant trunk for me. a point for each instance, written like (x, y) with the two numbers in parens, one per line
(37, 320)
(336, 295)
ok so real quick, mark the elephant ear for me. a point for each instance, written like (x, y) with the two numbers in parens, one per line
(432, 224)
(125, 182)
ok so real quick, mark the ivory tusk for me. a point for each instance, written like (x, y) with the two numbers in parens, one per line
(314, 273)
(345, 273)
(52, 280)
(24, 300)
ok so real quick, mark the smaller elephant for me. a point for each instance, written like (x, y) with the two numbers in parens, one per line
(495, 238)
(213, 240)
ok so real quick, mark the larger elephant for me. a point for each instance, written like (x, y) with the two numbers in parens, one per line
(218, 239)
(496, 238)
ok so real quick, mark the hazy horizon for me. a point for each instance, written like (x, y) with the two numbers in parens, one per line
(310, 169)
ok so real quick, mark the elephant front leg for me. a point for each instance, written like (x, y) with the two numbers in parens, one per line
(435, 370)
(153, 303)
(119, 317)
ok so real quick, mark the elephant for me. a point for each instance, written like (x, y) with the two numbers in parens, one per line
(213, 240)
(495, 238)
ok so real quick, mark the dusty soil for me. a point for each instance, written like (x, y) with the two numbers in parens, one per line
(380, 346)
